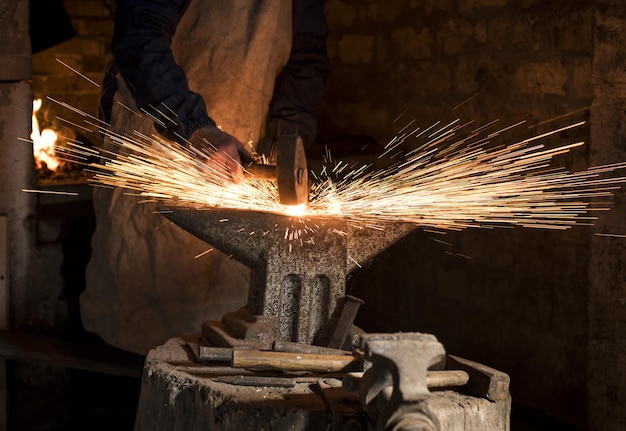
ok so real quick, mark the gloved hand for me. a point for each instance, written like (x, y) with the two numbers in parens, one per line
(223, 149)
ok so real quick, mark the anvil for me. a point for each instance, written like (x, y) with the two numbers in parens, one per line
(297, 289)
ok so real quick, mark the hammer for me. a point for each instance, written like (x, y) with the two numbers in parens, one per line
(290, 171)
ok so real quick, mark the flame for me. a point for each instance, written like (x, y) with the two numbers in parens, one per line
(43, 142)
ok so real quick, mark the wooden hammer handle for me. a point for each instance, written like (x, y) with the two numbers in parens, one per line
(287, 361)
(261, 172)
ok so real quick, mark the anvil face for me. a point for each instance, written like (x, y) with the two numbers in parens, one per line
(299, 265)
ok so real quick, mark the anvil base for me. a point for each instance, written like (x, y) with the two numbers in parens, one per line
(179, 395)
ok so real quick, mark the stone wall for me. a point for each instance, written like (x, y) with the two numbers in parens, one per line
(519, 302)
(16, 157)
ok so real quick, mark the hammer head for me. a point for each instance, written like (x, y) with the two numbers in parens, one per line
(291, 171)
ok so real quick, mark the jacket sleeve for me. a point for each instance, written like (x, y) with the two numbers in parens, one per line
(141, 50)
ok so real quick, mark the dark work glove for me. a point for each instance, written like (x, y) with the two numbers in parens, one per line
(223, 149)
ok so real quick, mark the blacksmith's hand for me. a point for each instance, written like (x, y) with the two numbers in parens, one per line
(223, 149)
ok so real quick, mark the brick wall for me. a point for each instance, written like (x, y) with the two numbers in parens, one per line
(88, 53)
(607, 305)
(520, 303)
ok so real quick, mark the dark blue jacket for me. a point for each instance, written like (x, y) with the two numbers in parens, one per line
(142, 55)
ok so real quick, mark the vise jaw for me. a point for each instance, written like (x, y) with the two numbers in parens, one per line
(393, 389)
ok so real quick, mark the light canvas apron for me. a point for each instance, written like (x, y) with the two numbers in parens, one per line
(143, 283)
